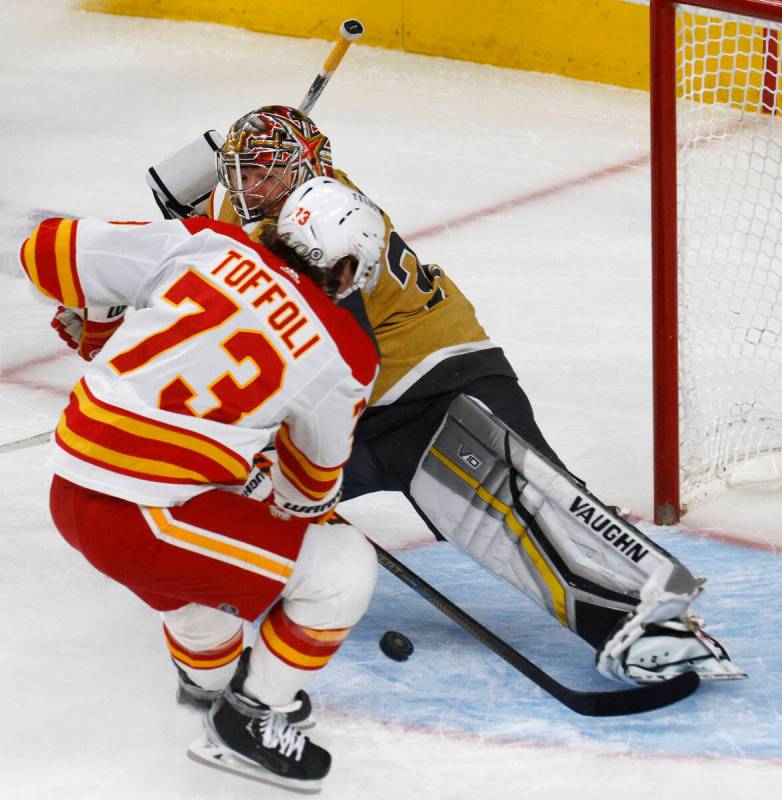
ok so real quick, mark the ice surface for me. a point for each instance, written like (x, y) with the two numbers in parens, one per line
(532, 191)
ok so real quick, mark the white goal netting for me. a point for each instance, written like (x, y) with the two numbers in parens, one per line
(729, 166)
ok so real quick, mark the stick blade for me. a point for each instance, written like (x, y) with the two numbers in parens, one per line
(634, 701)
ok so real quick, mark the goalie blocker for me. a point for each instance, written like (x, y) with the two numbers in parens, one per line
(500, 501)
(183, 181)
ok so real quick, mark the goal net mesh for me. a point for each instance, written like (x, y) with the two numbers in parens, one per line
(729, 251)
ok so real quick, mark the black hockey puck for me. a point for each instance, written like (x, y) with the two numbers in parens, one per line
(396, 645)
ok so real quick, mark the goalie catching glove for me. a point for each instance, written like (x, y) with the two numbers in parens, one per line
(87, 330)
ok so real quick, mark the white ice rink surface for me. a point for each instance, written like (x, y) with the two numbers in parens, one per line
(532, 192)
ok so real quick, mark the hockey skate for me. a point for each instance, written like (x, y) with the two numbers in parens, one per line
(669, 648)
(248, 738)
(298, 712)
(663, 638)
(189, 693)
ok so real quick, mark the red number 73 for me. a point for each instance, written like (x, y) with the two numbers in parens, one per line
(234, 400)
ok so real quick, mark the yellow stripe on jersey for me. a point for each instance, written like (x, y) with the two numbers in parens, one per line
(155, 432)
(317, 473)
(214, 545)
(291, 476)
(554, 584)
(287, 652)
(112, 458)
(65, 269)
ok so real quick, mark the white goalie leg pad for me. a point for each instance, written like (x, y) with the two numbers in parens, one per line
(493, 496)
(183, 181)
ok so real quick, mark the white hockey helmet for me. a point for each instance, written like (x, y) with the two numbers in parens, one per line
(323, 221)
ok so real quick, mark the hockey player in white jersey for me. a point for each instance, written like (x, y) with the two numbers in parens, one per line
(515, 510)
(230, 348)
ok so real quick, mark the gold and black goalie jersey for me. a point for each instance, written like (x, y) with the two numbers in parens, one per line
(419, 318)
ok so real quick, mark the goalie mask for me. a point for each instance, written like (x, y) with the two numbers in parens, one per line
(267, 154)
(324, 221)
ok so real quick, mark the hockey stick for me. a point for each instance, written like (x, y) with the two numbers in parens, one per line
(29, 441)
(350, 31)
(590, 704)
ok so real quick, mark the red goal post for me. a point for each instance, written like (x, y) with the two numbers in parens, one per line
(694, 65)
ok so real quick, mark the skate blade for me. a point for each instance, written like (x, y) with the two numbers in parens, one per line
(212, 754)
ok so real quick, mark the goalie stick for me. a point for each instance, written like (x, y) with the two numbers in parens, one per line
(590, 704)
(350, 31)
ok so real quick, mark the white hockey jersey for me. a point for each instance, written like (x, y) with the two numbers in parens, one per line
(228, 350)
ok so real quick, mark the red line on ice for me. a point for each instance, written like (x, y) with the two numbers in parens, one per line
(442, 732)
(443, 227)
(15, 374)
(530, 197)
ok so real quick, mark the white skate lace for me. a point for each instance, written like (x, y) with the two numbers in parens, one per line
(276, 733)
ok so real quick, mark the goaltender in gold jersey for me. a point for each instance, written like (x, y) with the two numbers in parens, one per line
(479, 474)
(417, 314)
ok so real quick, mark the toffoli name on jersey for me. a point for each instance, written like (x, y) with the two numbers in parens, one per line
(257, 286)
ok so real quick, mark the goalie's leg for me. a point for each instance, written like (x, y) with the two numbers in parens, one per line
(531, 523)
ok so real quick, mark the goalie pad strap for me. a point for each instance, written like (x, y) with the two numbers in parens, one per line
(493, 496)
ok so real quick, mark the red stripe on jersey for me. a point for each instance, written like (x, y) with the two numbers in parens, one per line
(245, 466)
(129, 444)
(355, 346)
(297, 646)
(49, 259)
(306, 640)
(82, 301)
(198, 224)
(45, 258)
(308, 477)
